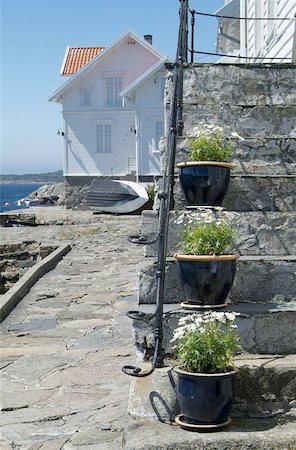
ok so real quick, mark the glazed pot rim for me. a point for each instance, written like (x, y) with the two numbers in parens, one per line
(206, 163)
(206, 375)
(210, 258)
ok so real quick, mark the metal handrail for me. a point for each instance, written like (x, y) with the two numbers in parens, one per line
(166, 196)
(126, 163)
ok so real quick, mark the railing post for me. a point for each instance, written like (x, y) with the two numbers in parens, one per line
(166, 196)
(192, 36)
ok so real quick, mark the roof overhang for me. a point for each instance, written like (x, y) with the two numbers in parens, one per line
(230, 9)
(129, 90)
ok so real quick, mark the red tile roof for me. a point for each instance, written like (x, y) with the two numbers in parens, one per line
(77, 57)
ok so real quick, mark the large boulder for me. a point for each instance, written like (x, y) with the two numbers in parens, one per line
(50, 193)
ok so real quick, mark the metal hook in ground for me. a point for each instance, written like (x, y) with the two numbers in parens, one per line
(134, 371)
(143, 240)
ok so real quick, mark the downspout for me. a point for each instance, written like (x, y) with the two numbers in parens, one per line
(65, 149)
(138, 159)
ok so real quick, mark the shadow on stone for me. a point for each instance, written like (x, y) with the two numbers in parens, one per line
(153, 397)
(165, 413)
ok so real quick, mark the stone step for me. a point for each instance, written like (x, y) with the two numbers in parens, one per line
(263, 327)
(258, 279)
(241, 434)
(254, 106)
(250, 193)
(244, 85)
(263, 416)
(261, 193)
(264, 386)
(257, 233)
(247, 121)
(255, 156)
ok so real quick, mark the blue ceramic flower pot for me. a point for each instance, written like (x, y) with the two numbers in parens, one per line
(204, 183)
(206, 280)
(205, 399)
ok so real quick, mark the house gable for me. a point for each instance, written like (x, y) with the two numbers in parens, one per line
(115, 52)
(153, 72)
(103, 137)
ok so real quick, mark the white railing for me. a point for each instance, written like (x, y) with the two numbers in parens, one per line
(124, 167)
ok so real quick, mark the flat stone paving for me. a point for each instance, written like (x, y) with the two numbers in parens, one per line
(63, 346)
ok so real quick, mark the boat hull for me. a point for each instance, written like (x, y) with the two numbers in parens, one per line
(116, 196)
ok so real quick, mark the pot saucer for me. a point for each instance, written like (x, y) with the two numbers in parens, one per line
(188, 305)
(199, 207)
(199, 427)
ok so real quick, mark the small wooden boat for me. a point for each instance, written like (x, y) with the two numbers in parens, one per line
(116, 196)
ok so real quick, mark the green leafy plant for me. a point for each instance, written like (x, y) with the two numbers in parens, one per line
(207, 342)
(151, 192)
(212, 147)
(207, 238)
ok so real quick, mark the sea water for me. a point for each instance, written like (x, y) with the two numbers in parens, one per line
(10, 193)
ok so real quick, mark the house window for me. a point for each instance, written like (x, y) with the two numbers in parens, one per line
(104, 138)
(85, 97)
(158, 132)
(113, 87)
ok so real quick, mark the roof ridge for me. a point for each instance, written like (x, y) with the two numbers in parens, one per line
(87, 46)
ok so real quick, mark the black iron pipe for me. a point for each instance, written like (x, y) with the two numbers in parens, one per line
(192, 36)
(166, 197)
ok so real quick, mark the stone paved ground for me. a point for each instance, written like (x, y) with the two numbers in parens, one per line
(63, 346)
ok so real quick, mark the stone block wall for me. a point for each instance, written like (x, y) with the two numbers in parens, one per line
(254, 106)
(16, 259)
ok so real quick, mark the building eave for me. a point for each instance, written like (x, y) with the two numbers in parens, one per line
(230, 9)
(135, 84)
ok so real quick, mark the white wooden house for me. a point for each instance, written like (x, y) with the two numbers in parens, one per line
(113, 108)
(269, 40)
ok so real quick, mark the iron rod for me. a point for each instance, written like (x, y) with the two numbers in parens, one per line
(166, 196)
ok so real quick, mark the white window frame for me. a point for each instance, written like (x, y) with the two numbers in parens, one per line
(159, 131)
(83, 92)
(106, 137)
(162, 86)
(113, 82)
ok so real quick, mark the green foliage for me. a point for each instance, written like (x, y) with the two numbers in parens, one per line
(207, 238)
(151, 192)
(210, 147)
(207, 343)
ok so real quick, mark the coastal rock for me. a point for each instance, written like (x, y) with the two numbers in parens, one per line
(54, 193)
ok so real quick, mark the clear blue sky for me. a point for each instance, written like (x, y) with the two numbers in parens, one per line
(34, 37)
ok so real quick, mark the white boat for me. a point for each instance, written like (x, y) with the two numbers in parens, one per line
(116, 196)
(29, 201)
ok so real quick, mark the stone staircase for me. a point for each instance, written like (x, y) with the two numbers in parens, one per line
(258, 104)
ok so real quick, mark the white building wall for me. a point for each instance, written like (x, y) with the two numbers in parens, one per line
(81, 155)
(264, 38)
(149, 106)
(128, 60)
